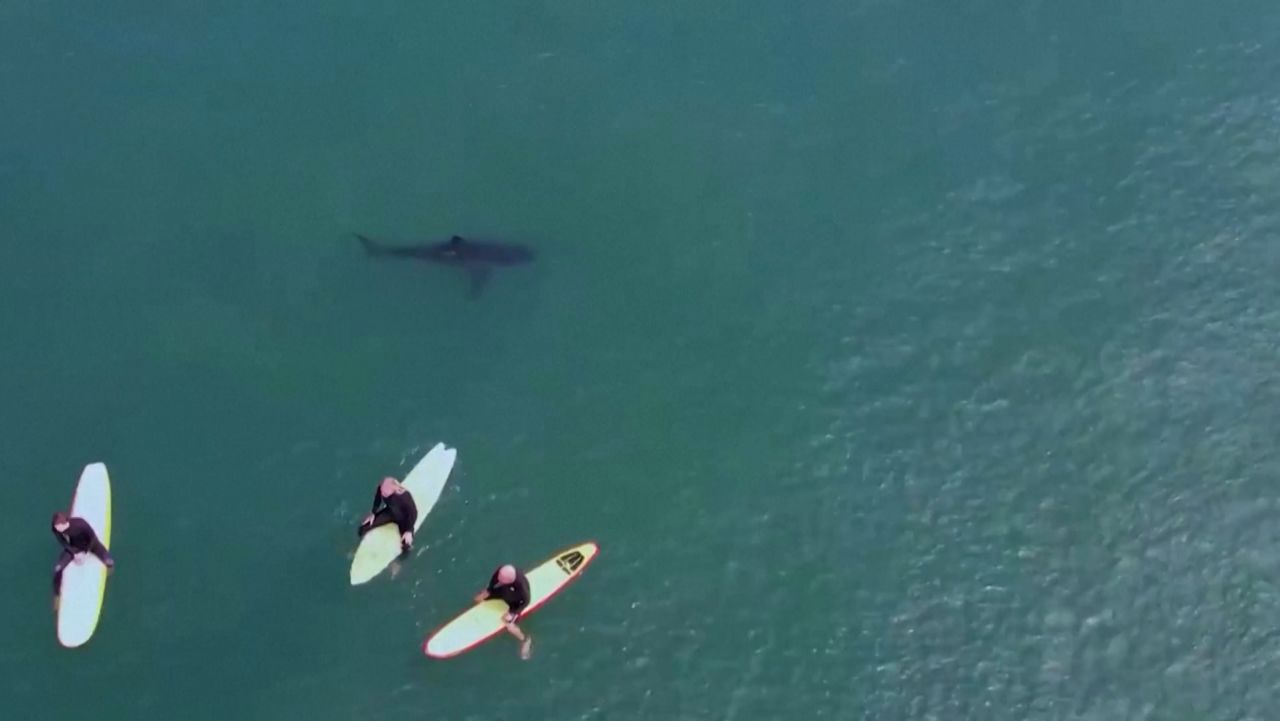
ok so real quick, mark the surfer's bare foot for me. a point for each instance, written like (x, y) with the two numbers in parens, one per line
(526, 648)
(56, 600)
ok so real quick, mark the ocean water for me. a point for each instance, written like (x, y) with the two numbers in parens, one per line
(907, 360)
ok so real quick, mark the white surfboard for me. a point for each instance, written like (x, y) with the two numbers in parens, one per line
(84, 581)
(381, 546)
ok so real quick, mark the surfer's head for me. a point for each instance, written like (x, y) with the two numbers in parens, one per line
(507, 574)
(61, 522)
(388, 486)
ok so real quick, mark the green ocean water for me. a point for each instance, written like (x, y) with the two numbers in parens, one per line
(908, 360)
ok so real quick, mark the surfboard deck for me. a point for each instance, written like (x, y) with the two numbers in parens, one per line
(425, 482)
(483, 621)
(84, 583)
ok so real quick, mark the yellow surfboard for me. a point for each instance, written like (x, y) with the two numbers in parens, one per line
(84, 581)
(483, 621)
(381, 546)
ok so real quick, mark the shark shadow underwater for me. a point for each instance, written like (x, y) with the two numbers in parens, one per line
(477, 257)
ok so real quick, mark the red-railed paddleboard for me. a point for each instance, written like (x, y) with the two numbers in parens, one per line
(484, 620)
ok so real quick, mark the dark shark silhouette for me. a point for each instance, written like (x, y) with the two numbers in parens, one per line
(477, 257)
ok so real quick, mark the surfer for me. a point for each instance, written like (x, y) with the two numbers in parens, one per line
(510, 585)
(76, 537)
(392, 503)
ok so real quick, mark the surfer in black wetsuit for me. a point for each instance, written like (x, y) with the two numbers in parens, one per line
(392, 503)
(76, 537)
(510, 584)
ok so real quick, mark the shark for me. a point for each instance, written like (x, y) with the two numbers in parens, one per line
(477, 257)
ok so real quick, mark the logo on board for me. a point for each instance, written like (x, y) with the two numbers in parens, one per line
(570, 561)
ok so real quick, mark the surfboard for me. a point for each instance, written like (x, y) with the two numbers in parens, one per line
(483, 621)
(84, 583)
(381, 546)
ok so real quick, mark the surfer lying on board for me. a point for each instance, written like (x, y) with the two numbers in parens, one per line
(392, 503)
(510, 585)
(76, 537)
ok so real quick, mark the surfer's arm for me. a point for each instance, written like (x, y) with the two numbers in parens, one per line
(487, 593)
(102, 553)
(405, 526)
(80, 537)
(378, 502)
(65, 543)
(522, 584)
(405, 512)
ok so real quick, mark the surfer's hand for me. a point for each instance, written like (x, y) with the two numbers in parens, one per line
(407, 538)
(508, 618)
(367, 520)
(482, 595)
(79, 559)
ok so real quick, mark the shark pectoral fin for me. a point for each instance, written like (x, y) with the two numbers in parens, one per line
(479, 278)
(369, 246)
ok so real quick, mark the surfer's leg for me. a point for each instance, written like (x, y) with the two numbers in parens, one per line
(103, 555)
(383, 518)
(405, 527)
(514, 630)
(64, 559)
(526, 641)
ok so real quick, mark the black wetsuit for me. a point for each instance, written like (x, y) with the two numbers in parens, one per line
(398, 508)
(516, 594)
(78, 538)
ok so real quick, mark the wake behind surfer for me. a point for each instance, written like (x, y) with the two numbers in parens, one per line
(392, 503)
(510, 584)
(77, 538)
